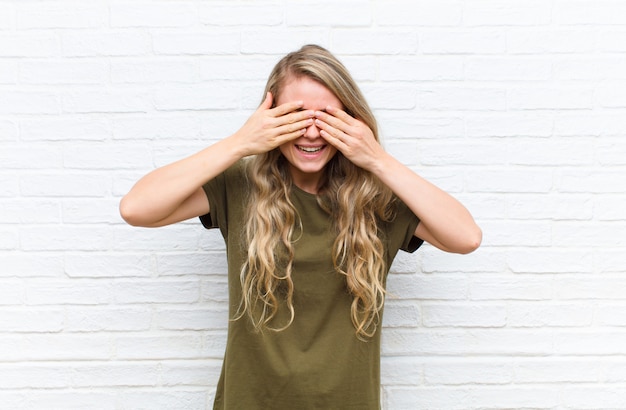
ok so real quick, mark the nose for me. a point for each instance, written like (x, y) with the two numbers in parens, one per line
(312, 132)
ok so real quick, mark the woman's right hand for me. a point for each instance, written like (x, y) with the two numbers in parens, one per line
(268, 128)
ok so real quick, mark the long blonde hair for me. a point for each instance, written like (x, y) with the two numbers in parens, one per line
(355, 199)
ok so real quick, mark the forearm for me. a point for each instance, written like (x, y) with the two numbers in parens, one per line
(162, 192)
(444, 221)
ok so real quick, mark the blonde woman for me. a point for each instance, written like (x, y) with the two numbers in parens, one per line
(313, 211)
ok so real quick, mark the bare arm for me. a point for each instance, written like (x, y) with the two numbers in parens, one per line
(174, 192)
(444, 221)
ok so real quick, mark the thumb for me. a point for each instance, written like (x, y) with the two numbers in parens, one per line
(267, 103)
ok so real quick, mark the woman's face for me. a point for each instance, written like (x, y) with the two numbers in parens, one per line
(308, 154)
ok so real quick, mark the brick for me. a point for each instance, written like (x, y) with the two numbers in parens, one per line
(401, 370)
(56, 347)
(27, 375)
(356, 41)
(511, 287)
(27, 44)
(64, 185)
(450, 287)
(86, 211)
(106, 156)
(507, 69)
(63, 72)
(600, 342)
(212, 97)
(550, 98)
(585, 287)
(235, 68)
(112, 319)
(25, 156)
(71, 292)
(155, 291)
(60, 129)
(8, 131)
(550, 260)
(577, 233)
(73, 400)
(12, 292)
(588, 180)
(510, 180)
(552, 41)
(555, 370)
(512, 13)
(249, 14)
(450, 41)
(64, 238)
(398, 314)
(441, 98)
(53, 16)
(25, 264)
(19, 211)
(26, 102)
(8, 72)
(158, 347)
(347, 13)
(154, 71)
(7, 16)
(594, 396)
(9, 238)
(482, 261)
(280, 42)
(464, 315)
(196, 263)
(421, 68)
(580, 13)
(105, 43)
(157, 14)
(189, 372)
(108, 265)
(394, 125)
(457, 372)
(156, 127)
(214, 289)
(390, 97)
(191, 319)
(31, 320)
(445, 342)
(116, 375)
(199, 43)
(549, 315)
(509, 124)
(118, 100)
(418, 13)
(551, 206)
(173, 400)
(611, 95)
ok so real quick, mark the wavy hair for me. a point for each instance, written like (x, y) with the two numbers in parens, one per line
(355, 199)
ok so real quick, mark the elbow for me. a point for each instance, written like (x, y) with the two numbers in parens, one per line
(130, 212)
(472, 241)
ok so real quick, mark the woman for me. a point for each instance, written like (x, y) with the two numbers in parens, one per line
(313, 211)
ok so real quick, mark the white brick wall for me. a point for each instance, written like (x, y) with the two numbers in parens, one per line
(518, 107)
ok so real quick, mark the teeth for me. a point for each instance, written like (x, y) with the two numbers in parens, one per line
(309, 149)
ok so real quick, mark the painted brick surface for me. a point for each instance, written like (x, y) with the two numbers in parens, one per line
(517, 107)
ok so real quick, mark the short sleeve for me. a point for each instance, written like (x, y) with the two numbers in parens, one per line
(410, 242)
(225, 196)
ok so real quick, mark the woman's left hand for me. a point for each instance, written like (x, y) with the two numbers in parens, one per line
(350, 136)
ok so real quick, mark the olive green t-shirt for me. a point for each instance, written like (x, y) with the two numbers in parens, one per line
(317, 362)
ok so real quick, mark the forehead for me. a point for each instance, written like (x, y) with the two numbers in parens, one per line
(314, 94)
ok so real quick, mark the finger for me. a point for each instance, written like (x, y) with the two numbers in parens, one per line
(267, 102)
(286, 108)
(341, 114)
(331, 120)
(295, 126)
(295, 116)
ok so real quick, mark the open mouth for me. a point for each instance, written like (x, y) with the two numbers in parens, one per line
(310, 150)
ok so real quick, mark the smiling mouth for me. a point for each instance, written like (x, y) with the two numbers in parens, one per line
(310, 150)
